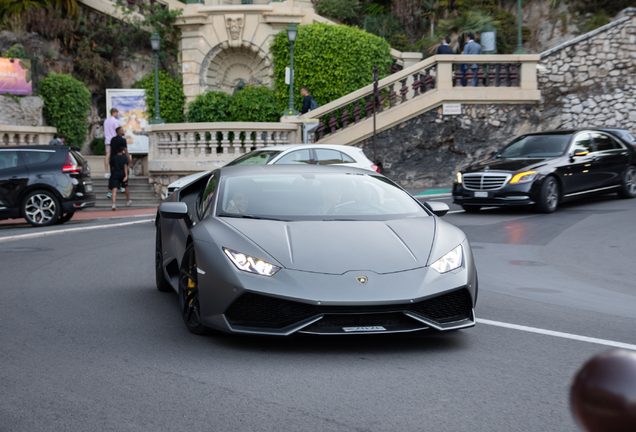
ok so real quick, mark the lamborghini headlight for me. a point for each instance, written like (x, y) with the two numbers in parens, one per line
(450, 261)
(250, 264)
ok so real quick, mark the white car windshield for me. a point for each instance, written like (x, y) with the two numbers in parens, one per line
(536, 146)
(257, 157)
(338, 196)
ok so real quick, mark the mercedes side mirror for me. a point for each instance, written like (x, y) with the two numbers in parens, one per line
(438, 208)
(175, 210)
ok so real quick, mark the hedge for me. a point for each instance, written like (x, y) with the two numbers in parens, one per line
(211, 106)
(255, 104)
(331, 60)
(67, 102)
(171, 96)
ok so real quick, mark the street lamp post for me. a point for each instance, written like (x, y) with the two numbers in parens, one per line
(155, 42)
(292, 31)
(519, 49)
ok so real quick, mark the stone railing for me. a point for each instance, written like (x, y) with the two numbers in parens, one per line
(25, 135)
(183, 148)
(502, 78)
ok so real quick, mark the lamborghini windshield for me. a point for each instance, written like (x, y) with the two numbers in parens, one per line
(333, 196)
(536, 146)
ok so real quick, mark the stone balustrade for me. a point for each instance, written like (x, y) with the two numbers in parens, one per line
(498, 77)
(25, 135)
(185, 148)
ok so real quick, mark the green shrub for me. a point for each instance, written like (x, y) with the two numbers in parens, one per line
(171, 96)
(331, 60)
(66, 105)
(98, 146)
(255, 104)
(16, 51)
(339, 9)
(211, 106)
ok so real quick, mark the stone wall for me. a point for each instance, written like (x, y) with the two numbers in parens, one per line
(21, 111)
(427, 151)
(590, 80)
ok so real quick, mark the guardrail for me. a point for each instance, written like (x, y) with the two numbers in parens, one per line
(25, 135)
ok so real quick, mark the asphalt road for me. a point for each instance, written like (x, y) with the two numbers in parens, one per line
(88, 343)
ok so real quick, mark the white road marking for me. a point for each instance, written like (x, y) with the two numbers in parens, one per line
(68, 230)
(558, 334)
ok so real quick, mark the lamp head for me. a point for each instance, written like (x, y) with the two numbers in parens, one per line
(292, 31)
(155, 41)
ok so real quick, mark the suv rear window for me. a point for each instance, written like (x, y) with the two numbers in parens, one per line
(32, 157)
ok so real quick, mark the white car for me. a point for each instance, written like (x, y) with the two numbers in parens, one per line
(293, 154)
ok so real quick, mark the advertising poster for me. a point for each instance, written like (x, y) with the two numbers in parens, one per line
(15, 77)
(132, 116)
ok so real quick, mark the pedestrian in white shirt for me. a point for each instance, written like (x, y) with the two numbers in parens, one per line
(110, 130)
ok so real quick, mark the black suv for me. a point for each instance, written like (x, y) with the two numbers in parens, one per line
(43, 184)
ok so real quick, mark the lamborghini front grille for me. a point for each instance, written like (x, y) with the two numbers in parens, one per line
(256, 310)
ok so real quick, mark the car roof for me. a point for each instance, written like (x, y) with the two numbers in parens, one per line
(33, 147)
(573, 131)
(242, 170)
(284, 147)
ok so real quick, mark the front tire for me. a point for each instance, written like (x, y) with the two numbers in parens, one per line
(162, 284)
(189, 293)
(548, 196)
(41, 208)
(628, 185)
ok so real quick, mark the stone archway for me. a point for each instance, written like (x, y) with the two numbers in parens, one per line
(225, 66)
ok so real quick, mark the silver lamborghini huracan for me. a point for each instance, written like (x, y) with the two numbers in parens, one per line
(278, 250)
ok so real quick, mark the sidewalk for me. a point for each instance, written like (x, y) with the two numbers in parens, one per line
(100, 214)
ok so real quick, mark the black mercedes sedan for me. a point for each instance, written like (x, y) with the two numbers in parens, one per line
(548, 168)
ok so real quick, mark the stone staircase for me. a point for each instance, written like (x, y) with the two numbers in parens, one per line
(142, 194)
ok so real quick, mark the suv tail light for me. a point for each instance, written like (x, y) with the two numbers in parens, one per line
(70, 165)
(375, 168)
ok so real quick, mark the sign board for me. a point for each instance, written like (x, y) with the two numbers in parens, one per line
(452, 109)
(287, 75)
(15, 77)
(489, 42)
(132, 116)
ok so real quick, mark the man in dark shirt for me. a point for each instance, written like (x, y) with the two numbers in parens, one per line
(118, 141)
(445, 48)
(306, 100)
(118, 175)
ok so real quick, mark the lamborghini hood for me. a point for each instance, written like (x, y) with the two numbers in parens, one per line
(335, 247)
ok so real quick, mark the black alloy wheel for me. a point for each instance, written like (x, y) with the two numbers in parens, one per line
(65, 218)
(41, 208)
(162, 284)
(471, 208)
(548, 196)
(189, 293)
(628, 185)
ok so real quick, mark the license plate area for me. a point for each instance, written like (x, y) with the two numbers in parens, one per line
(481, 194)
(363, 329)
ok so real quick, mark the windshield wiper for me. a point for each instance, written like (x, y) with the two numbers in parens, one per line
(248, 216)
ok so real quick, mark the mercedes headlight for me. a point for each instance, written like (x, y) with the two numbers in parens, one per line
(250, 264)
(450, 261)
(524, 177)
(459, 177)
